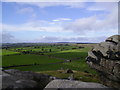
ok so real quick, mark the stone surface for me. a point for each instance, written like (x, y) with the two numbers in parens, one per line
(71, 77)
(105, 58)
(23, 79)
(58, 84)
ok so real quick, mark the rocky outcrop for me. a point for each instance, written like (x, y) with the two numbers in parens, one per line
(71, 84)
(15, 79)
(105, 58)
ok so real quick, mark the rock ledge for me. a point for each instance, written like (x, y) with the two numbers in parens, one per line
(105, 58)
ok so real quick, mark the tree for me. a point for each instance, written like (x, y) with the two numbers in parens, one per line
(50, 50)
(42, 49)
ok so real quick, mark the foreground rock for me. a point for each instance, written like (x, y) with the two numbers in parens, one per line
(14, 79)
(62, 84)
(105, 58)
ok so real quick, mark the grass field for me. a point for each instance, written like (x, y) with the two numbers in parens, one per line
(78, 66)
(57, 54)
(78, 75)
(70, 54)
(27, 59)
(46, 48)
(70, 65)
(8, 52)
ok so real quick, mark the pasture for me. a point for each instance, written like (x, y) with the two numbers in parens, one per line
(49, 58)
(27, 59)
(8, 52)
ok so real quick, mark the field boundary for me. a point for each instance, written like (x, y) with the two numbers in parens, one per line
(65, 60)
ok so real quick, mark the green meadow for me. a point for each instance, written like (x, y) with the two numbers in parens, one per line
(8, 52)
(49, 59)
(27, 59)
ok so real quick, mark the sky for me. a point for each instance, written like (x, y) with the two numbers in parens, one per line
(58, 21)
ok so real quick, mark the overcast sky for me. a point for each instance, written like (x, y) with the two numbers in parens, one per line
(59, 22)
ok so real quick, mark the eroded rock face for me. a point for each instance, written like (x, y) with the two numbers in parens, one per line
(15, 79)
(63, 84)
(105, 58)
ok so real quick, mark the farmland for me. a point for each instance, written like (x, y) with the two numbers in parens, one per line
(8, 52)
(27, 59)
(49, 58)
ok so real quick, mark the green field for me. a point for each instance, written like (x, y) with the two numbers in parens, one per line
(47, 56)
(70, 54)
(78, 75)
(8, 52)
(75, 65)
(27, 59)
(53, 57)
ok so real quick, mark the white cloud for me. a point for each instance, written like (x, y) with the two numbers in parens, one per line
(50, 4)
(34, 15)
(103, 6)
(25, 10)
(95, 9)
(43, 0)
(93, 23)
(61, 19)
(105, 0)
(65, 19)
(6, 38)
(70, 39)
(80, 26)
(55, 20)
(60, 0)
(34, 26)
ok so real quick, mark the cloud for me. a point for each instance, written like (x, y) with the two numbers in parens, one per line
(56, 20)
(103, 6)
(105, 0)
(94, 23)
(82, 26)
(96, 9)
(51, 4)
(61, 19)
(7, 38)
(25, 10)
(70, 39)
(60, 0)
(33, 26)
(33, 15)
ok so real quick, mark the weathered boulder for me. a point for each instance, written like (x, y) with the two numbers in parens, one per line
(105, 58)
(14, 79)
(23, 84)
(71, 84)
